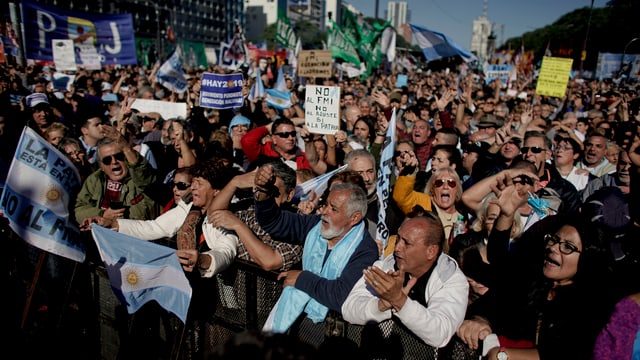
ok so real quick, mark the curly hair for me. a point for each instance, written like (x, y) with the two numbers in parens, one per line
(217, 171)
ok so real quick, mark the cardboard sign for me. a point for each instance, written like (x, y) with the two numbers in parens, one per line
(314, 63)
(168, 110)
(494, 72)
(322, 109)
(221, 91)
(64, 55)
(554, 76)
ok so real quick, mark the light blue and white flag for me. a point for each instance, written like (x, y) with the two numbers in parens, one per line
(36, 197)
(318, 184)
(437, 45)
(278, 99)
(281, 84)
(257, 89)
(171, 75)
(141, 271)
(383, 189)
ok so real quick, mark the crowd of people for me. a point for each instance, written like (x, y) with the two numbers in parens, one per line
(512, 220)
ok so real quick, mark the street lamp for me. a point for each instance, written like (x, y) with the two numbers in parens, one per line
(624, 52)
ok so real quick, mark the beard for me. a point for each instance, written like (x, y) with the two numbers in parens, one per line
(331, 232)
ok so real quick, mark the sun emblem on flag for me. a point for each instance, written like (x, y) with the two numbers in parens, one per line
(132, 278)
(230, 83)
(280, 101)
(53, 193)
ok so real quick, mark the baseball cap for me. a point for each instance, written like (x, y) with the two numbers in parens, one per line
(36, 99)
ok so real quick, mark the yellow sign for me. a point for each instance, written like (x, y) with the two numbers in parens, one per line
(554, 76)
(314, 63)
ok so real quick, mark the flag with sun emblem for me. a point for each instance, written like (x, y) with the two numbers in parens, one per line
(36, 196)
(141, 271)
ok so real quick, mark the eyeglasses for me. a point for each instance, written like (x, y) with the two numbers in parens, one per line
(450, 182)
(565, 247)
(534, 149)
(182, 186)
(75, 152)
(107, 160)
(285, 135)
(564, 148)
(398, 153)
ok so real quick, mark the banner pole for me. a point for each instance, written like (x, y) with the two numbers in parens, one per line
(32, 289)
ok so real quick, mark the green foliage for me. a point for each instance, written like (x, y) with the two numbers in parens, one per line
(609, 29)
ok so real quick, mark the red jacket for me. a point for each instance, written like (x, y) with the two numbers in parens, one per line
(254, 148)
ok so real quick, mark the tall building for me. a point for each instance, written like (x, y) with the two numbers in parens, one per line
(259, 14)
(398, 14)
(482, 30)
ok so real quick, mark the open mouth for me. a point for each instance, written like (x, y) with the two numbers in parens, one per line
(549, 261)
(445, 197)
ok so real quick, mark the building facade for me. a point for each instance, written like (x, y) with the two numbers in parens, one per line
(398, 13)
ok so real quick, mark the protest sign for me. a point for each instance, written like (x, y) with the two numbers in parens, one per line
(64, 55)
(494, 72)
(168, 110)
(221, 91)
(314, 63)
(322, 109)
(554, 76)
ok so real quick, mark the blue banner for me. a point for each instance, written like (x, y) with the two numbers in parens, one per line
(221, 91)
(112, 36)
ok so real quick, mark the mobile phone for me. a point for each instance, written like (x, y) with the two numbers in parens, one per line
(379, 88)
(116, 205)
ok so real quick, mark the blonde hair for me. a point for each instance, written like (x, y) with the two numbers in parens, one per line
(429, 189)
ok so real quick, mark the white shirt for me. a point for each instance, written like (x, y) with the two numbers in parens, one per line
(223, 244)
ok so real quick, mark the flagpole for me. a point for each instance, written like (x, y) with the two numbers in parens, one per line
(32, 288)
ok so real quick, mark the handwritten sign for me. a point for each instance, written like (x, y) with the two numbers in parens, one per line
(554, 76)
(221, 91)
(314, 63)
(322, 106)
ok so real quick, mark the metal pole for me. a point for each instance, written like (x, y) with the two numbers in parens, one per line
(624, 52)
(377, 5)
(583, 54)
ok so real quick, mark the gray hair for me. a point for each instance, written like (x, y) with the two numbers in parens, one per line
(357, 201)
(355, 154)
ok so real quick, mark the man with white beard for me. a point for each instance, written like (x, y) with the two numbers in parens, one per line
(337, 248)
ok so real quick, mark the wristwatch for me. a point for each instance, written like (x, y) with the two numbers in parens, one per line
(502, 354)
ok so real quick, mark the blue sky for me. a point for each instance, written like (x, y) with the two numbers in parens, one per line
(455, 17)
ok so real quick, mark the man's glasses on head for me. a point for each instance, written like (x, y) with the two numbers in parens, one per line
(107, 160)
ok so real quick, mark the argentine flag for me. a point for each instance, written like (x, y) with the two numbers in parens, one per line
(437, 45)
(141, 271)
(278, 99)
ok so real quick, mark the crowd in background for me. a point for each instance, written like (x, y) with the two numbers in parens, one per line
(535, 194)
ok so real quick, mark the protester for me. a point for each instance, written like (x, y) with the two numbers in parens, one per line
(419, 285)
(326, 277)
(117, 188)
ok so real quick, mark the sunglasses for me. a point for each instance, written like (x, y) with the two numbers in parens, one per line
(566, 247)
(450, 182)
(107, 160)
(534, 149)
(182, 186)
(285, 135)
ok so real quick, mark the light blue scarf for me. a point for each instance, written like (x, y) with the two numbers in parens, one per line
(293, 302)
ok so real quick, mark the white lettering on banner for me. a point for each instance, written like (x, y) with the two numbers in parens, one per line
(117, 45)
(41, 16)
